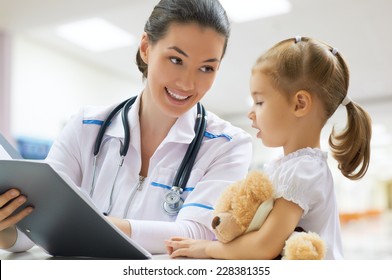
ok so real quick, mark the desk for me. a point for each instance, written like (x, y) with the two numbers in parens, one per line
(36, 253)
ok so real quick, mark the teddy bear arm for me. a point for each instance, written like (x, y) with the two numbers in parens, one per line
(304, 246)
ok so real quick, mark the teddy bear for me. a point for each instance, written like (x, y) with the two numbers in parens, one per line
(244, 206)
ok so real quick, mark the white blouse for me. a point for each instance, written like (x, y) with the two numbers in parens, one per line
(304, 178)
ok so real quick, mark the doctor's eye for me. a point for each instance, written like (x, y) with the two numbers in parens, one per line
(176, 60)
(207, 69)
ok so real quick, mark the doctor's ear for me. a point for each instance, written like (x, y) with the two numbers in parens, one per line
(144, 47)
(302, 103)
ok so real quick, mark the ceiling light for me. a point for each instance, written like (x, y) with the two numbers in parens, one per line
(95, 34)
(247, 10)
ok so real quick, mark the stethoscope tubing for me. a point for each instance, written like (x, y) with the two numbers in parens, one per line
(186, 165)
(201, 124)
(105, 124)
(181, 177)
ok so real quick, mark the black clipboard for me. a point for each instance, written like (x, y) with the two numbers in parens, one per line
(64, 222)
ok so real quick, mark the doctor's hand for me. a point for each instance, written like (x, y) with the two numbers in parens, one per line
(186, 247)
(122, 224)
(10, 201)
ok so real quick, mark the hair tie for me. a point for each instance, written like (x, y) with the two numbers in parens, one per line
(346, 100)
(334, 51)
(298, 39)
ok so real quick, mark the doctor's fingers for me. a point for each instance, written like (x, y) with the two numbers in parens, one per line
(183, 252)
(7, 196)
(10, 201)
(178, 238)
(7, 220)
(172, 246)
(169, 249)
(175, 243)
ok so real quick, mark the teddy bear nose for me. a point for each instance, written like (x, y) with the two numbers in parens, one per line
(215, 222)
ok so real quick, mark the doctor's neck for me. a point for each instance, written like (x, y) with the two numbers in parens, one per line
(153, 119)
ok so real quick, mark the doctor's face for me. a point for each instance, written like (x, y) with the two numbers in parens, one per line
(182, 66)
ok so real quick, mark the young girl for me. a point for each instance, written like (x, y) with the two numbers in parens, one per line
(296, 86)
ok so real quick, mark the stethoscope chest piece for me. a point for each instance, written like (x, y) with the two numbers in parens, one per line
(173, 201)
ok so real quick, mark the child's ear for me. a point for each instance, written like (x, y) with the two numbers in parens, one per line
(302, 103)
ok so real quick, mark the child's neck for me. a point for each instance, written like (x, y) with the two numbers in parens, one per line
(309, 139)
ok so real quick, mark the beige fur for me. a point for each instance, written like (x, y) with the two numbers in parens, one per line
(236, 208)
(304, 246)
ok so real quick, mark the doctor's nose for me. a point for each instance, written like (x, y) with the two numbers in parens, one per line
(186, 81)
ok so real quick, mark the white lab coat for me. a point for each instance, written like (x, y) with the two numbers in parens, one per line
(224, 157)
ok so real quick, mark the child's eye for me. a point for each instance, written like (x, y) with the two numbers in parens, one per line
(259, 103)
(207, 69)
(176, 60)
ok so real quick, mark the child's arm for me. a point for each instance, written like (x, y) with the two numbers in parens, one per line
(266, 243)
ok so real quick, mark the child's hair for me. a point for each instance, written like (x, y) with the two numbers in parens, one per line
(207, 13)
(307, 64)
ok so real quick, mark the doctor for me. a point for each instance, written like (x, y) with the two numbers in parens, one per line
(179, 56)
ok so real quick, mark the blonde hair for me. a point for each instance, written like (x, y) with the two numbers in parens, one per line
(308, 64)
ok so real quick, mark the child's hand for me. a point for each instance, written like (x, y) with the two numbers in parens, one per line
(186, 247)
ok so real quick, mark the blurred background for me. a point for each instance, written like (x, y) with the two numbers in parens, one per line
(57, 56)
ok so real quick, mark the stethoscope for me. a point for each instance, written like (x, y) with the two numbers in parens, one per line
(172, 199)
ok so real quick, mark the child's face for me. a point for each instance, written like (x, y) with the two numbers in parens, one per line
(271, 111)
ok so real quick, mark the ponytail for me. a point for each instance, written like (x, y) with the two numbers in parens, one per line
(351, 148)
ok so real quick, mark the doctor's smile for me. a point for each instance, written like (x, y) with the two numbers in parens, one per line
(176, 98)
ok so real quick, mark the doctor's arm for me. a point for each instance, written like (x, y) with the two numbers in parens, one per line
(266, 243)
(122, 224)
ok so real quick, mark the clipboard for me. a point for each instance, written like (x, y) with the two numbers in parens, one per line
(64, 222)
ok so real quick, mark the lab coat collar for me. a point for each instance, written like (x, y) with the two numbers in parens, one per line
(183, 129)
(116, 128)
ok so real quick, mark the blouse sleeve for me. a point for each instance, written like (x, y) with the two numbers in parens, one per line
(302, 181)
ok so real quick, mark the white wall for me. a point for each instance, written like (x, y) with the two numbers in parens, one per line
(5, 90)
(48, 86)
